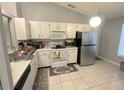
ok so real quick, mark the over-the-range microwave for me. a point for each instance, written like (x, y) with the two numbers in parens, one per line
(58, 35)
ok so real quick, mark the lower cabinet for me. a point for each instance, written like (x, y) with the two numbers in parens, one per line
(44, 58)
(72, 55)
(31, 78)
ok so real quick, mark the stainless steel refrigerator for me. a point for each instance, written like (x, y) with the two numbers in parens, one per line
(86, 43)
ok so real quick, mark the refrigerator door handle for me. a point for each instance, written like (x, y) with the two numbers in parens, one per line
(90, 45)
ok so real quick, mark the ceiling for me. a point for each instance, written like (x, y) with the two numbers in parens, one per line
(107, 10)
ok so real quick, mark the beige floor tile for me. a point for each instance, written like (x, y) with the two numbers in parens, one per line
(74, 75)
(77, 66)
(54, 79)
(101, 76)
(68, 85)
(65, 77)
(108, 86)
(83, 74)
(79, 84)
(119, 84)
(56, 86)
(96, 88)
(90, 82)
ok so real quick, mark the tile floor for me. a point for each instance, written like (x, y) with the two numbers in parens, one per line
(101, 76)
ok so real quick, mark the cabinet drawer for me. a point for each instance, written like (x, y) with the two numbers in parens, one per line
(72, 52)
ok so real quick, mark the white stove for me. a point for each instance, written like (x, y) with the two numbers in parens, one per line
(59, 57)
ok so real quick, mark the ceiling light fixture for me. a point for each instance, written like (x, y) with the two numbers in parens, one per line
(95, 21)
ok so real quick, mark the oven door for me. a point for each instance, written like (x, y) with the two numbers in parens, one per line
(58, 55)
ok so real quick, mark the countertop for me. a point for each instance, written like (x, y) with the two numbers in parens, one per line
(18, 69)
(20, 66)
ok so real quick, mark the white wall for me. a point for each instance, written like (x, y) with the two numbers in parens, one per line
(109, 40)
(50, 12)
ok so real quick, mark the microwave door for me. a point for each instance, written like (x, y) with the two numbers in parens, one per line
(58, 35)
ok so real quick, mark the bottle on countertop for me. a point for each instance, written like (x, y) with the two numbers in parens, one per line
(46, 44)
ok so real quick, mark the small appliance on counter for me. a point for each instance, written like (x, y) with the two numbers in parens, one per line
(46, 43)
(36, 44)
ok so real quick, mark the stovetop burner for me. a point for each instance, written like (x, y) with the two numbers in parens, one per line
(58, 47)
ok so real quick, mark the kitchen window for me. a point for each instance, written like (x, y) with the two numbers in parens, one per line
(121, 44)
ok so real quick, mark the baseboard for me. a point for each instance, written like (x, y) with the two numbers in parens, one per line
(113, 62)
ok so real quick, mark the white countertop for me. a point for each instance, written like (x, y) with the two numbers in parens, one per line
(69, 47)
(18, 69)
(43, 49)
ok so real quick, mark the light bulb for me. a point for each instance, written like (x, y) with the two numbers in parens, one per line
(95, 21)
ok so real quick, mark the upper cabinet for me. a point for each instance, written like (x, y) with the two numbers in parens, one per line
(34, 28)
(83, 28)
(71, 30)
(9, 8)
(58, 27)
(44, 30)
(20, 28)
(39, 30)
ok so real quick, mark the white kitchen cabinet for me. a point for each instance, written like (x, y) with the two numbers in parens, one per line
(71, 30)
(84, 27)
(20, 28)
(31, 78)
(44, 58)
(44, 30)
(58, 27)
(72, 55)
(34, 28)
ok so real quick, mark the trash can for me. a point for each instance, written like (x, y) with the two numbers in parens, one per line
(122, 66)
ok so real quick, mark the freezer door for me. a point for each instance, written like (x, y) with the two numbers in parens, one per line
(92, 37)
(85, 38)
(89, 38)
(87, 56)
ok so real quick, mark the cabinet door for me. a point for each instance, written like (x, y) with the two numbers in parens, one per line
(53, 26)
(72, 56)
(44, 59)
(35, 64)
(71, 30)
(34, 29)
(20, 28)
(44, 28)
(63, 26)
(58, 27)
(84, 28)
(9, 8)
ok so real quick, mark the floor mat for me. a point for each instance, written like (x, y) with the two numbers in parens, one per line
(41, 80)
(62, 70)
